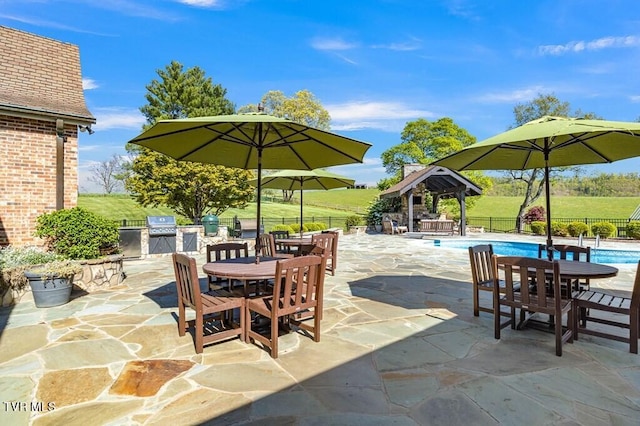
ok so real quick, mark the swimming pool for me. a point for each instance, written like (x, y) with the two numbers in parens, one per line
(517, 248)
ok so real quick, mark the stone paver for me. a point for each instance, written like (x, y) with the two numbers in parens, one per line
(400, 346)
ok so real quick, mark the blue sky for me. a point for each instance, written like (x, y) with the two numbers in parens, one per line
(374, 65)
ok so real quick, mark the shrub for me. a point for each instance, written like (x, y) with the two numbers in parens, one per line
(559, 229)
(14, 261)
(316, 226)
(77, 233)
(295, 228)
(538, 227)
(534, 214)
(376, 209)
(353, 220)
(577, 228)
(282, 228)
(603, 229)
(633, 230)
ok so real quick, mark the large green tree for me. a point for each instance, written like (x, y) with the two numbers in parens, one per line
(303, 107)
(191, 189)
(423, 142)
(533, 179)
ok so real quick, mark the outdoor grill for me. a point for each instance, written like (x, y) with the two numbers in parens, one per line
(162, 234)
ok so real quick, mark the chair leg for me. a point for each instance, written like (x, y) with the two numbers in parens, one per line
(476, 298)
(274, 338)
(199, 332)
(634, 324)
(182, 326)
(558, 333)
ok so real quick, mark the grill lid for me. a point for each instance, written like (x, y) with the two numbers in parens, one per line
(161, 225)
(161, 221)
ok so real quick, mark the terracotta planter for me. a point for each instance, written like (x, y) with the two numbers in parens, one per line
(48, 292)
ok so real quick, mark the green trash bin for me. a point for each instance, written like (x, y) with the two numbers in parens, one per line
(210, 223)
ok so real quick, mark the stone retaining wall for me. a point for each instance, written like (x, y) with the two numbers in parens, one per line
(97, 274)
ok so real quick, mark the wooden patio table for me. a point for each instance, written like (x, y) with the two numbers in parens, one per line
(574, 270)
(243, 268)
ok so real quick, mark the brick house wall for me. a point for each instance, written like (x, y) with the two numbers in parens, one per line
(40, 89)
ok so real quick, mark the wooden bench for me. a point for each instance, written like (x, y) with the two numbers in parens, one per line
(437, 226)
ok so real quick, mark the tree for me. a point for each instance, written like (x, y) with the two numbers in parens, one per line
(191, 189)
(533, 179)
(423, 142)
(105, 174)
(303, 107)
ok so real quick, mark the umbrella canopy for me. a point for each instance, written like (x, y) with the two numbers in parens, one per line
(299, 180)
(251, 141)
(550, 142)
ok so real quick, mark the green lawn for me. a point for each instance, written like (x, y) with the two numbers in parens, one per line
(561, 207)
(343, 202)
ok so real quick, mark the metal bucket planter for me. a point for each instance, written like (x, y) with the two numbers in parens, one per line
(49, 291)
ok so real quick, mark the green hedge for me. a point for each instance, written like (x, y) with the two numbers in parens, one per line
(604, 229)
(633, 230)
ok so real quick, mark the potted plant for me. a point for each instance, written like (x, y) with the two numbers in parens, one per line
(51, 283)
(49, 275)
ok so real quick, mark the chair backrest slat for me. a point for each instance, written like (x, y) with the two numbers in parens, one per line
(298, 282)
(187, 284)
(227, 251)
(480, 260)
(635, 295)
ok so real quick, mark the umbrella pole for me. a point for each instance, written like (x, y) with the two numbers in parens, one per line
(301, 221)
(547, 192)
(258, 205)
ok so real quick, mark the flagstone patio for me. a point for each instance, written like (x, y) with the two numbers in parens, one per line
(400, 345)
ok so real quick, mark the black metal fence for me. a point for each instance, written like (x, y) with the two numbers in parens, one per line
(268, 223)
(490, 224)
(508, 224)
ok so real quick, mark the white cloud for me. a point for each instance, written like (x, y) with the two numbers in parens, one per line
(634, 98)
(118, 118)
(331, 44)
(201, 3)
(386, 116)
(402, 47)
(88, 84)
(519, 95)
(581, 46)
(369, 172)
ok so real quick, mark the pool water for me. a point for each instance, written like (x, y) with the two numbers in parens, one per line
(513, 248)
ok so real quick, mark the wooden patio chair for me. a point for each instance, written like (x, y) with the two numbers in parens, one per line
(590, 302)
(280, 234)
(214, 310)
(268, 247)
(329, 242)
(546, 299)
(569, 252)
(216, 252)
(482, 277)
(298, 286)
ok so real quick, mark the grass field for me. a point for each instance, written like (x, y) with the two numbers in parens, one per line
(342, 203)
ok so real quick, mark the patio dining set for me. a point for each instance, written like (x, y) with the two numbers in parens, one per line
(557, 289)
(256, 298)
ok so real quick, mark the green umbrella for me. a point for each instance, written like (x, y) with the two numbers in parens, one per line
(550, 142)
(299, 180)
(251, 141)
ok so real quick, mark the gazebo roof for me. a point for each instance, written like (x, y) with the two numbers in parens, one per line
(437, 180)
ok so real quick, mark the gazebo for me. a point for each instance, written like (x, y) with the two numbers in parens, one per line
(439, 181)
